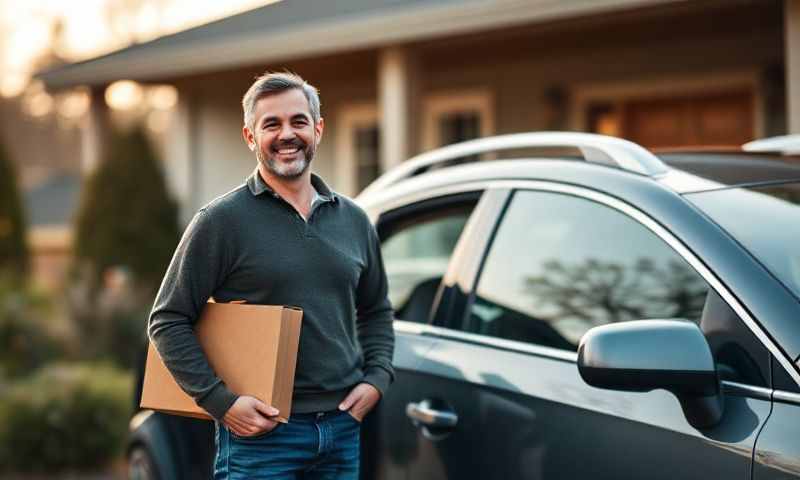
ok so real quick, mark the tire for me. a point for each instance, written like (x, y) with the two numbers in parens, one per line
(141, 465)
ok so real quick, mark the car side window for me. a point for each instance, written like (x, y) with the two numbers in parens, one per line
(416, 246)
(560, 265)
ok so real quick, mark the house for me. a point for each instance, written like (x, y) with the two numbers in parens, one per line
(398, 77)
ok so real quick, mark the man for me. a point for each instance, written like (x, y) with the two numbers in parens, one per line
(284, 238)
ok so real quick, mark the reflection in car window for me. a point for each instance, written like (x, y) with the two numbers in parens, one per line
(416, 255)
(765, 220)
(560, 265)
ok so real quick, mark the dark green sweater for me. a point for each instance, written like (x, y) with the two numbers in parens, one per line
(252, 245)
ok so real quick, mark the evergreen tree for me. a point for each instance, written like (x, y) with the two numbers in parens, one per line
(14, 260)
(126, 217)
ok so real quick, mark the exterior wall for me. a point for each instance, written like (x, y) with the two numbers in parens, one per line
(535, 76)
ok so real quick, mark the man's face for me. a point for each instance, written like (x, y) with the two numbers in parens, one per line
(284, 136)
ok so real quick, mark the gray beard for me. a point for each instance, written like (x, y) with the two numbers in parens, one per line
(283, 170)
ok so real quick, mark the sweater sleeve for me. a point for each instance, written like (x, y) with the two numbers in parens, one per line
(198, 267)
(374, 317)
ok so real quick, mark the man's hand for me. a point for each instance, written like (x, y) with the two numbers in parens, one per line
(361, 399)
(250, 416)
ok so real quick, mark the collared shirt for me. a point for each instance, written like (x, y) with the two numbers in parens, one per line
(257, 186)
(250, 244)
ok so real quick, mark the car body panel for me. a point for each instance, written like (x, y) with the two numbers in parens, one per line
(527, 415)
(778, 449)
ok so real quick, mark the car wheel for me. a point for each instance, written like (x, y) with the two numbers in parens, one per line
(141, 465)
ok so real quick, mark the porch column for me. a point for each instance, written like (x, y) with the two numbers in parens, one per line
(94, 131)
(397, 92)
(792, 49)
(180, 164)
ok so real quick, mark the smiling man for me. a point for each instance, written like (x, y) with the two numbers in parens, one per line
(284, 238)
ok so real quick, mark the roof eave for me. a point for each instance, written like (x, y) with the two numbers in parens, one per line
(153, 61)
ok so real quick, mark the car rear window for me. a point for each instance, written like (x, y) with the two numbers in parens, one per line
(736, 168)
(765, 220)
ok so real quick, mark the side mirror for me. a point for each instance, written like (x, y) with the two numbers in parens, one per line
(645, 355)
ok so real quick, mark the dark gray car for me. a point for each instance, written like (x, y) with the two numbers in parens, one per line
(499, 269)
(622, 316)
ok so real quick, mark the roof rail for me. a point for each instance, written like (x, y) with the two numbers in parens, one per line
(595, 148)
(785, 144)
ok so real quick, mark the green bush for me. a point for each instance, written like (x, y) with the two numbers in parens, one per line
(26, 339)
(66, 417)
(14, 261)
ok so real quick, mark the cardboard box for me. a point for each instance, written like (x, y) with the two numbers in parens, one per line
(252, 348)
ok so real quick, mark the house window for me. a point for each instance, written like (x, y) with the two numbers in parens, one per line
(456, 117)
(357, 147)
(367, 149)
(458, 127)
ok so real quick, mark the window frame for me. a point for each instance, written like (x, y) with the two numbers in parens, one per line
(437, 105)
(349, 118)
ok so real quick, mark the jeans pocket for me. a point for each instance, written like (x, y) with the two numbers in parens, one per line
(256, 437)
(351, 417)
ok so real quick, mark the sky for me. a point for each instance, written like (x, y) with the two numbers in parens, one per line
(89, 31)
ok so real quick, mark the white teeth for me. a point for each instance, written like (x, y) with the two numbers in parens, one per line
(288, 150)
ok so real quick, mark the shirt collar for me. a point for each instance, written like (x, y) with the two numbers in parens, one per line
(257, 186)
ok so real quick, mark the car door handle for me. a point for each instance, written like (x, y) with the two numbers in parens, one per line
(422, 413)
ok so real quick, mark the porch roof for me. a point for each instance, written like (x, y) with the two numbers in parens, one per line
(294, 29)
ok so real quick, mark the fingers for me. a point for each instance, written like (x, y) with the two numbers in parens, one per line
(350, 400)
(248, 417)
(265, 409)
(360, 400)
(246, 430)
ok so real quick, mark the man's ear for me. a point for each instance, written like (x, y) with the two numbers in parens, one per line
(249, 139)
(318, 128)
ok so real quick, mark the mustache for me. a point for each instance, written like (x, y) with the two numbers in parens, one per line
(288, 143)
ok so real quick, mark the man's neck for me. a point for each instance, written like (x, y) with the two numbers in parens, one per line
(297, 191)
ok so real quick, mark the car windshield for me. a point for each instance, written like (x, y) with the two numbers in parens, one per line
(765, 220)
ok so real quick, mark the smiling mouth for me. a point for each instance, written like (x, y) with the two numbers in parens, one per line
(287, 150)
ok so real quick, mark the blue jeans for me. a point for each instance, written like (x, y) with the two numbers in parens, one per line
(312, 446)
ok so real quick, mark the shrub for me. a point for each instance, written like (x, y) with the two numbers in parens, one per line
(66, 417)
(126, 232)
(126, 216)
(13, 249)
(26, 337)
(111, 325)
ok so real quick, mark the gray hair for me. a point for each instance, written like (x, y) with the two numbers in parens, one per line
(275, 82)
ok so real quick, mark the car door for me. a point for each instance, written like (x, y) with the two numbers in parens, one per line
(418, 236)
(499, 395)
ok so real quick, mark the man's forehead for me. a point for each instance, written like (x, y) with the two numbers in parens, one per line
(286, 103)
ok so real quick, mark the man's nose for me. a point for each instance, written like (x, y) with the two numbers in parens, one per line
(286, 133)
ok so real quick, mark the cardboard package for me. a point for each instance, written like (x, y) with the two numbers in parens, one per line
(252, 348)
